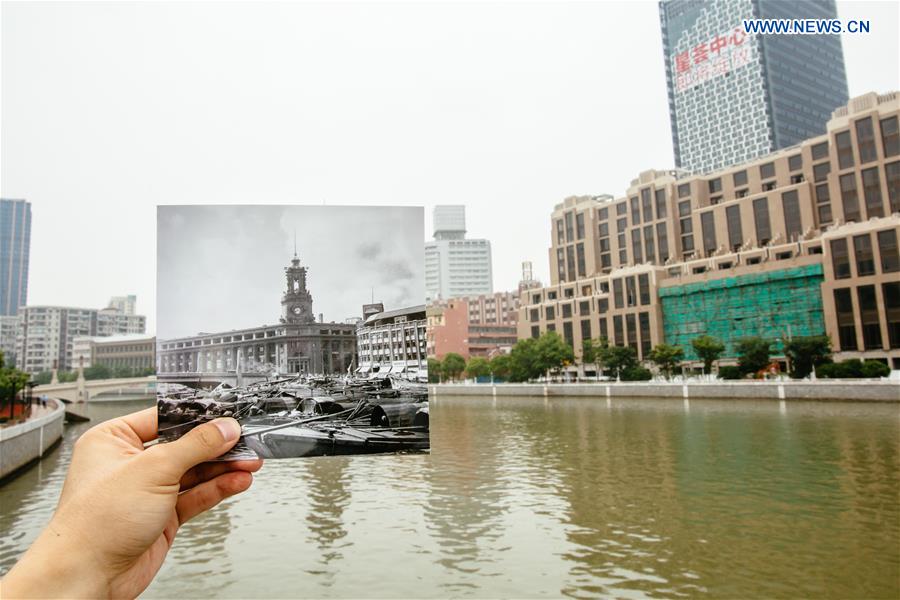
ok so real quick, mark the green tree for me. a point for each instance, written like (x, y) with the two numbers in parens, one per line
(434, 370)
(620, 358)
(43, 377)
(708, 349)
(637, 373)
(11, 381)
(478, 367)
(99, 372)
(807, 352)
(501, 366)
(753, 353)
(525, 364)
(593, 352)
(666, 357)
(553, 352)
(453, 365)
(874, 368)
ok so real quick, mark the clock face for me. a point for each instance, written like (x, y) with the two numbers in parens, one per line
(297, 310)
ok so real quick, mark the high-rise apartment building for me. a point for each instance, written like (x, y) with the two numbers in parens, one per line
(45, 334)
(734, 97)
(799, 242)
(454, 265)
(15, 241)
(124, 304)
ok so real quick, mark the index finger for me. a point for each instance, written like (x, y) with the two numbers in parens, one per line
(143, 423)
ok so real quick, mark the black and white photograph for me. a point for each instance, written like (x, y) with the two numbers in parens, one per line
(304, 323)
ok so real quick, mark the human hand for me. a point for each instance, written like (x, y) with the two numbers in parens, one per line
(121, 506)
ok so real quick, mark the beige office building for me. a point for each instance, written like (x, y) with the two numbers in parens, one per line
(748, 250)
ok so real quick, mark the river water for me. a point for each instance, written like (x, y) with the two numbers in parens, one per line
(527, 498)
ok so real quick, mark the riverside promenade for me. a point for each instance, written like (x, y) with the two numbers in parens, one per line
(865, 390)
(22, 443)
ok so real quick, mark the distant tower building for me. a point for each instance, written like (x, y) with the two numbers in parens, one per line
(528, 281)
(15, 241)
(124, 304)
(454, 265)
(734, 97)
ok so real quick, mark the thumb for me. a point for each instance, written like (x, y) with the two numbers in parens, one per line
(202, 443)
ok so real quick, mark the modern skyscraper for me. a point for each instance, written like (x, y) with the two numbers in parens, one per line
(455, 266)
(734, 97)
(15, 241)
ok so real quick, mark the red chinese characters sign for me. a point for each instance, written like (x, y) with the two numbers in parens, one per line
(718, 55)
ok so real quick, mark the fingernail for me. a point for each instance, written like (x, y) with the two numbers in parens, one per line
(230, 428)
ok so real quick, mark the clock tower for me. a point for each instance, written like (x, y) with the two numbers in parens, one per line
(296, 303)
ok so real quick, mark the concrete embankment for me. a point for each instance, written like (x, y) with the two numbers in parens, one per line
(20, 444)
(846, 390)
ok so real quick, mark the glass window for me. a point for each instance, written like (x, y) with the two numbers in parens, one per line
(535, 331)
(819, 151)
(868, 317)
(890, 137)
(647, 204)
(849, 197)
(618, 300)
(844, 149)
(662, 239)
(560, 236)
(550, 313)
(767, 171)
(631, 328)
(604, 333)
(586, 329)
(567, 311)
(605, 261)
(865, 258)
(635, 211)
(569, 235)
(824, 211)
(865, 140)
(604, 244)
(603, 305)
(684, 208)
(620, 208)
(687, 243)
(660, 203)
(891, 296)
(795, 162)
(623, 256)
(579, 226)
(603, 214)
(792, 221)
(740, 178)
(733, 219)
(761, 218)
(570, 262)
(708, 227)
(649, 244)
(567, 333)
(579, 251)
(584, 307)
(687, 225)
(636, 251)
(617, 328)
(715, 185)
(843, 307)
(534, 315)
(630, 292)
(604, 229)
(887, 248)
(840, 258)
(621, 224)
(892, 176)
(644, 288)
(561, 263)
(821, 171)
(872, 193)
(684, 190)
(646, 342)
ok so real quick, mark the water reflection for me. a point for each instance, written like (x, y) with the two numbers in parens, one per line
(542, 498)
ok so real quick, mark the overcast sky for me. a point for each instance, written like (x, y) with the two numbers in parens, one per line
(222, 267)
(109, 109)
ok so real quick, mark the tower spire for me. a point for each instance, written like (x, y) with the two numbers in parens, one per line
(295, 243)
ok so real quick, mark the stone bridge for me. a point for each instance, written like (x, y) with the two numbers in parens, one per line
(83, 390)
(211, 380)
